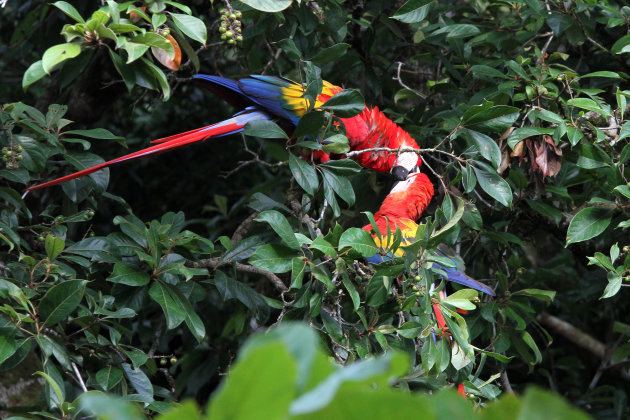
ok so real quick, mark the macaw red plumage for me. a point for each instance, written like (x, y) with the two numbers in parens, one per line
(400, 209)
(282, 100)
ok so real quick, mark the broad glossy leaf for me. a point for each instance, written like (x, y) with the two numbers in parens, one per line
(494, 185)
(281, 226)
(191, 26)
(108, 377)
(266, 377)
(329, 54)
(264, 129)
(413, 11)
(345, 104)
(69, 10)
(269, 6)
(60, 300)
(304, 174)
(274, 258)
(126, 274)
(360, 241)
(59, 53)
(588, 223)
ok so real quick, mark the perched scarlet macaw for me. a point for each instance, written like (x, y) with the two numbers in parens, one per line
(400, 209)
(282, 100)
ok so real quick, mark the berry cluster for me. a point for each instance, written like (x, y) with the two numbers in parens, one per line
(230, 28)
(12, 156)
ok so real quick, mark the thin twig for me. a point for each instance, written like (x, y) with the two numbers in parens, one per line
(400, 81)
(76, 372)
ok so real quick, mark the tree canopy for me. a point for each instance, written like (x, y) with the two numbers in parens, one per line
(138, 287)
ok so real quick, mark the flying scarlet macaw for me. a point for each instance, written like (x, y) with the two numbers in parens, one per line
(400, 209)
(282, 100)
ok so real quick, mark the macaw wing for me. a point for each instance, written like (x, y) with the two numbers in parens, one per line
(281, 96)
(226, 89)
(457, 274)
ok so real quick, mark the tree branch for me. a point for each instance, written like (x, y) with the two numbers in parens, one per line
(581, 339)
(214, 263)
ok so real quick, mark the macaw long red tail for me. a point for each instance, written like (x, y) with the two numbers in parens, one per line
(230, 126)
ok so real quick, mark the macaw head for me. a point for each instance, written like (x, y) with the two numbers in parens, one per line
(408, 198)
(406, 163)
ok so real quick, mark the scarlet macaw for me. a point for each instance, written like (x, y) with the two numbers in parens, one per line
(282, 100)
(400, 209)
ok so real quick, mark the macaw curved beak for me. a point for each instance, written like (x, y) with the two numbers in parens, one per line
(400, 173)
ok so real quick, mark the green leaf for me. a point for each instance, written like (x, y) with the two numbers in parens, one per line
(139, 380)
(337, 143)
(612, 288)
(487, 117)
(264, 129)
(588, 223)
(329, 54)
(341, 186)
(269, 6)
(522, 133)
(607, 74)
(281, 226)
(126, 274)
(60, 300)
(233, 289)
(165, 295)
(274, 258)
(54, 245)
(546, 210)
(488, 148)
(160, 77)
(298, 267)
(154, 40)
(345, 104)
(360, 241)
(108, 407)
(95, 133)
(413, 11)
(622, 45)
(191, 26)
(8, 346)
(69, 10)
(53, 385)
(494, 185)
(539, 404)
(589, 105)
(546, 296)
(108, 377)
(33, 74)
(304, 174)
(323, 245)
(457, 30)
(59, 53)
(266, 377)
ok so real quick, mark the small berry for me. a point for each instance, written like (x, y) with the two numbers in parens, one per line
(418, 294)
(19, 148)
(173, 360)
(229, 34)
(238, 15)
(224, 18)
(417, 278)
(231, 42)
(626, 249)
(5, 158)
(40, 238)
(222, 29)
(163, 362)
(9, 152)
(232, 16)
(19, 157)
(223, 36)
(90, 213)
(239, 38)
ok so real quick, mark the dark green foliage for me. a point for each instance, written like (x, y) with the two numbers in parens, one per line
(521, 110)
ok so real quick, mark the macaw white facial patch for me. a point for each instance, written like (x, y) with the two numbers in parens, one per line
(407, 160)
